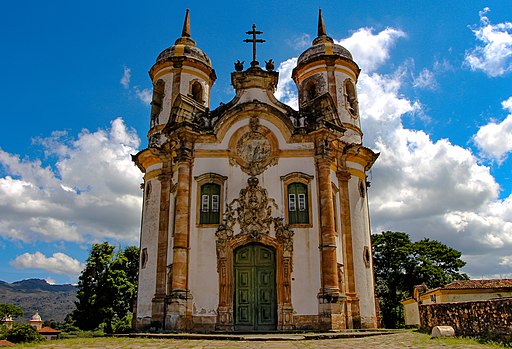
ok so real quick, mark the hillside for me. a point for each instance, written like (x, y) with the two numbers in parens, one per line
(53, 302)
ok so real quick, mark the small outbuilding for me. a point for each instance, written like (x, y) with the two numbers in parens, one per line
(457, 291)
(49, 333)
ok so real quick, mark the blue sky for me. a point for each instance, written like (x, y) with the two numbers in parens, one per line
(435, 97)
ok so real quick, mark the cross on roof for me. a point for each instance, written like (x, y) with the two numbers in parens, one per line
(254, 32)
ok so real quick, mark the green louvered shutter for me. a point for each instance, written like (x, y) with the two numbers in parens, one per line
(210, 204)
(298, 210)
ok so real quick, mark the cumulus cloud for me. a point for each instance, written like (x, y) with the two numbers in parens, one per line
(286, 90)
(89, 193)
(495, 139)
(371, 50)
(144, 95)
(58, 263)
(425, 187)
(125, 79)
(494, 54)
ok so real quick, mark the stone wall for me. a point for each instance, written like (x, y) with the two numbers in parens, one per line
(478, 318)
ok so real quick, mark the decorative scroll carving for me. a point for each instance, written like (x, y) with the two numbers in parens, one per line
(156, 140)
(252, 210)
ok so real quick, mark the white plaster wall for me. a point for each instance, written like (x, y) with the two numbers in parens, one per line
(186, 78)
(361, 238)
(149, 240)
(203, 280)
(412, 314)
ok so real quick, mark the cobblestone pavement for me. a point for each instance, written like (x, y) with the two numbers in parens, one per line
(389, 341)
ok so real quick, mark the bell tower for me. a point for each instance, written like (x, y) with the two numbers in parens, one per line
(328, 68)
(181, 70)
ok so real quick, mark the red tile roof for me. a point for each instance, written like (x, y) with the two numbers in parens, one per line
(474, 284)
(48, 330)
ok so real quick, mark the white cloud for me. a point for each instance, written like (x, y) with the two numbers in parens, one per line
(286, 90)
(125, 80)
(59, 263)
(90, 193)
(506, 261)
(302, 42)
(145, 95)
(426, 80)
(370, 50)
(495, 139)
(494, 55)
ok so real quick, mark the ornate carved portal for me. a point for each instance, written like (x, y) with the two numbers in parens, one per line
(248, 219)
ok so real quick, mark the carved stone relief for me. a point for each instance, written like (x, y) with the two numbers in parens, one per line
(254, 151)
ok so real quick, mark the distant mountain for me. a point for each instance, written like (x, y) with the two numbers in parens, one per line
(53, 302)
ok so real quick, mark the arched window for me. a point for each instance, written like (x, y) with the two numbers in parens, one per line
(351, 98)
(310, 91)
(210, 204)
(157, 101)
(298, 210)
(197, 91)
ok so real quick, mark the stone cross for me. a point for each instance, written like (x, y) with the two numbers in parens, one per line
(254, 32)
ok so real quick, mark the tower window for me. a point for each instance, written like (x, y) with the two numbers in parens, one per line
(298, 212)
(210, 204)
(197, 91)
(351, 98)
(156, 101)
(310, 91)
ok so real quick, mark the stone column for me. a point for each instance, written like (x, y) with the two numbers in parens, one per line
(331, 312)
(179, 312)
(330, 288)
(353, 316)
(158, 302)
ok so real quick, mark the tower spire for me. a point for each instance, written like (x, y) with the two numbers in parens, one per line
(186, 25)
(321, 24)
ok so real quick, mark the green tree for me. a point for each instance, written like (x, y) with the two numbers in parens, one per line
(9, 310)
(400, 264)
(23, 333)
(106, 287)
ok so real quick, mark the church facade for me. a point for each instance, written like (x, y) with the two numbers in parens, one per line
(255, 215)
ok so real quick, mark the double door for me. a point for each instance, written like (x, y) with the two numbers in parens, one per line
(255, 288)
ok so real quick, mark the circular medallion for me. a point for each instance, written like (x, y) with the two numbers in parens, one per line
(253, 148)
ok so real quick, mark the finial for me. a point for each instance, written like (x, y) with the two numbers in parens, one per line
(321, 24)
(186, 25)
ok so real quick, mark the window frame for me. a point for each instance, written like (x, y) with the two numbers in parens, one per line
(209, 178)
(305, 179)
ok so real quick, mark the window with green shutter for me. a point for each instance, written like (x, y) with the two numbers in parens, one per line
(210, 204)
(298, 210)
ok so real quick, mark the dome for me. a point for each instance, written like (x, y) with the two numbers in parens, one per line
(323, 46)
(185, 47)
(36, 317)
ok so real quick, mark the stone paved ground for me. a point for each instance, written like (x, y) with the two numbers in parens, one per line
(390, 341)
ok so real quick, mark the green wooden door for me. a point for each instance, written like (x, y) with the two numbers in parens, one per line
(255, 289)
